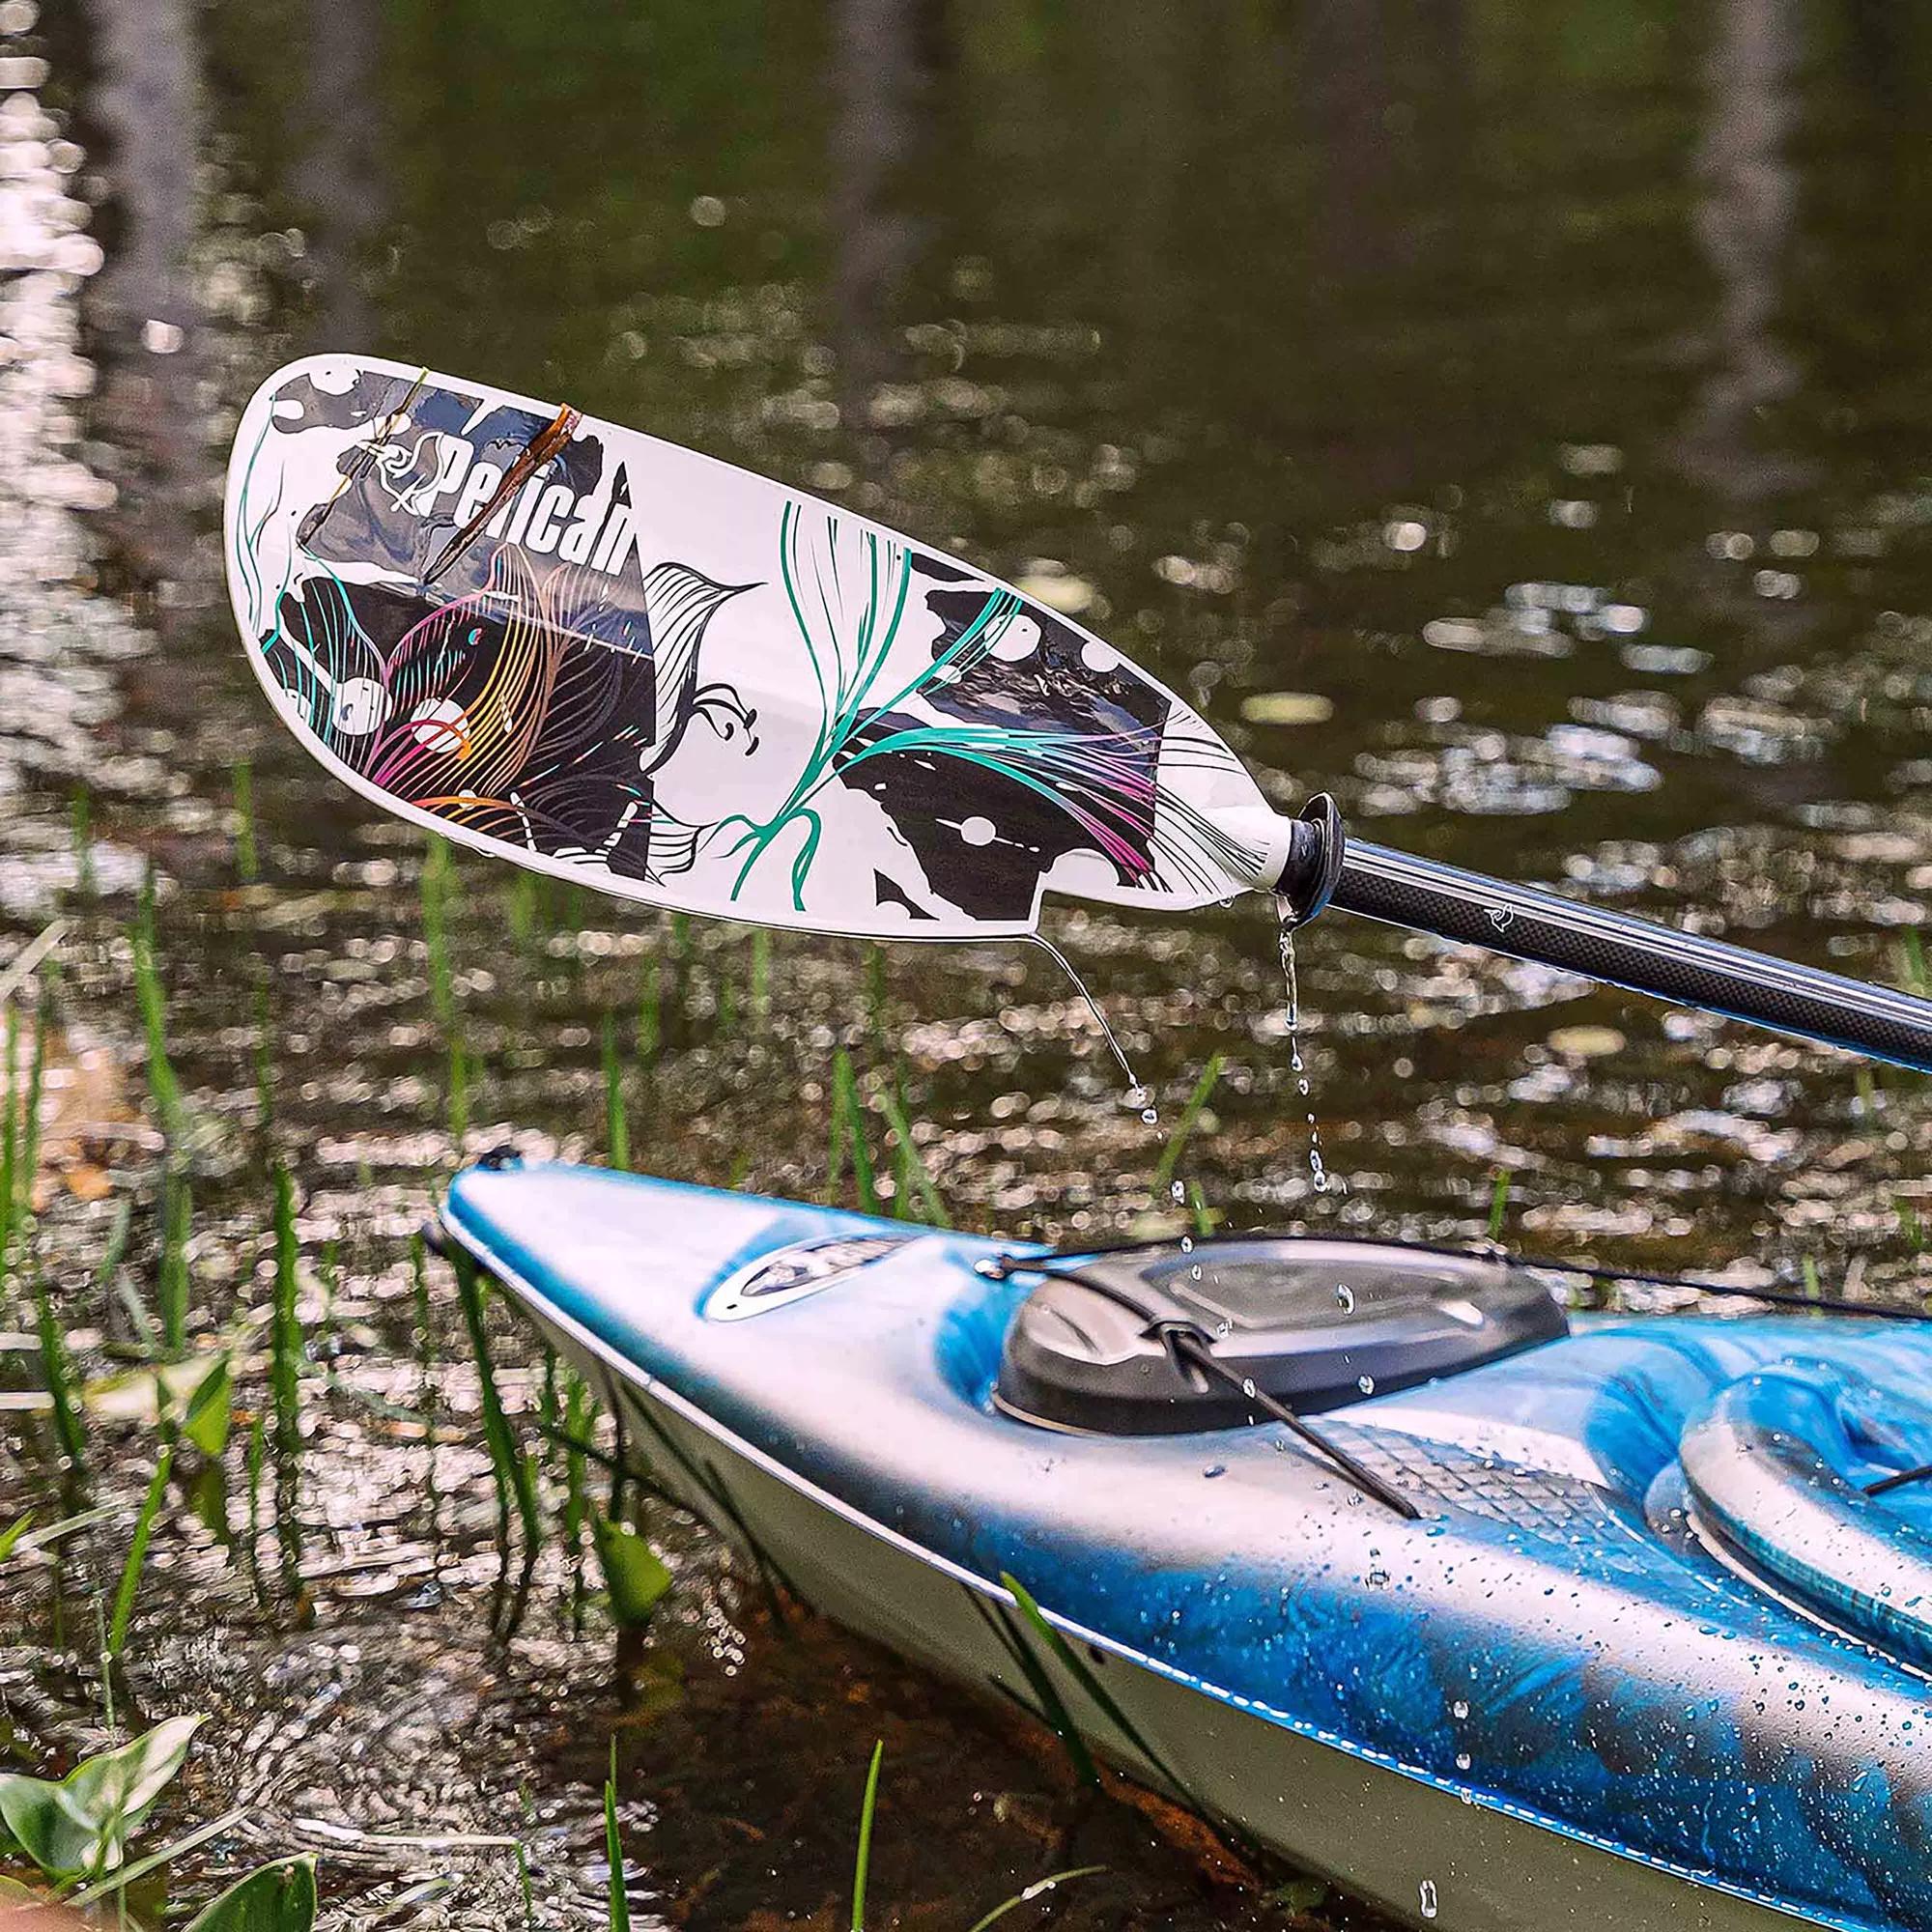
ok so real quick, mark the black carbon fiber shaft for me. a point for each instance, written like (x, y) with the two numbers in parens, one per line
(1635, 953)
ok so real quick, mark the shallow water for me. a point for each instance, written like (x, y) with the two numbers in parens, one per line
(1511, 419)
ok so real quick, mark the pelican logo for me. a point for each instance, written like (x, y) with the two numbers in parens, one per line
(789, 1275)
(434, 473)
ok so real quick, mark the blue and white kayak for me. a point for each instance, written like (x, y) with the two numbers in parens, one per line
(1640, 1639)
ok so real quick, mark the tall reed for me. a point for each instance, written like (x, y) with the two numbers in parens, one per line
(512, 1473)
(847, 1136)
(650, 1010)
(762, 976)
(171, 1285)
(137, 1553)
(163, 1089)
(285, 1334)
(63, 1388)
(913, 1186)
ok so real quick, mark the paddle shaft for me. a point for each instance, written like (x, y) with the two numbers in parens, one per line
(1635, 954)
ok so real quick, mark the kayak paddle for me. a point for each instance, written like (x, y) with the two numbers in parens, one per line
(604, 657)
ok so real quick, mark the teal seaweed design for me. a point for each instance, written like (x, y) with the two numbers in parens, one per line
(847, 586)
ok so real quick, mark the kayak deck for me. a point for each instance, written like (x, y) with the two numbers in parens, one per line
(1576, 1632)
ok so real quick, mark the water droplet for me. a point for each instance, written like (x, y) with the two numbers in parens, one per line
(1366, 1383)
(1317, 1167)
(1150, 1117)
(1215, 1469)
(1429, 1906)
(1462, 1760)
(1138, 1094)
(1248, 1387)
(1345, 1297)
(1176, 1191)
(1459, 1709)
(1187, 1244)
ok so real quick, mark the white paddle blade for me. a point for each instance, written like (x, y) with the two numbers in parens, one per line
(604, 657)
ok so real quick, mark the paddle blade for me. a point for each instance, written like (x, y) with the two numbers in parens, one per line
(602, 656)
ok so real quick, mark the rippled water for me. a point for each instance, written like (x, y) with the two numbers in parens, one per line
(1511, 419)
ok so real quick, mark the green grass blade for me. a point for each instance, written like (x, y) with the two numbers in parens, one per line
(761, 976)
(29, 1168)
(436, 887)
(618, 1899)
(129, 1874)
(845, 1089)
(1499, 1197)
(514, 1480)
(163, 1089)
(63, 1385)
(459, 1093)
(285, 1336)
(81, 819)
(862, 1863)
(914, 1176)
(1052, 1705)
(650, 1011)
(172, 1286)
(137, 1553)
(10, 1138)
(1077, 1668)
(1177, 1142)
(1912, 960)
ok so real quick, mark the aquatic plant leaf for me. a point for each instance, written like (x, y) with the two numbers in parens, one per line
(279, 1897)
(147, 1395)
(80, 1823)
(211, 1409)
(633, 1573)
(13, 1533)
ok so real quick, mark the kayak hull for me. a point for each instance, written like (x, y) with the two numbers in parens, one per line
(1429, 1848)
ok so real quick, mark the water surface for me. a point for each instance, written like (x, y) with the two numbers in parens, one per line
(1510, 419)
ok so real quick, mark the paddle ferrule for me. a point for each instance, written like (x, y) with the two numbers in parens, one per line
(1298, 859)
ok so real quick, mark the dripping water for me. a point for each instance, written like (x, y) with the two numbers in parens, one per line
(1138, 1094)
(1318, 1168)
